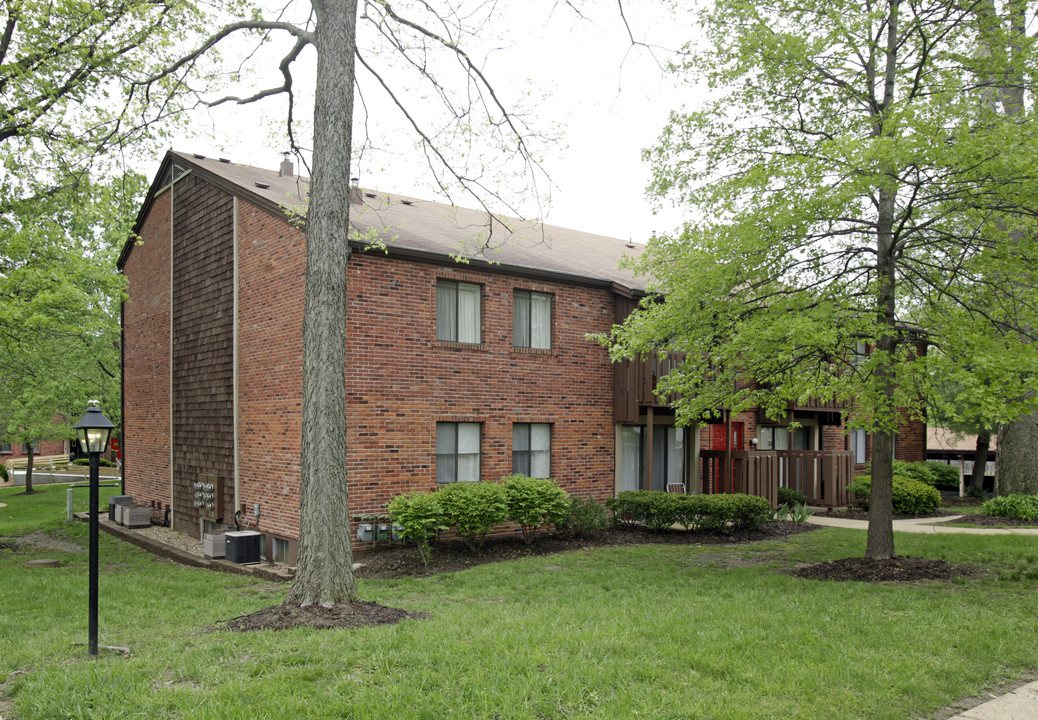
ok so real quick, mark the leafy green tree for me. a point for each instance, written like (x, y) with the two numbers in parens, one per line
(60, 295)
(850, 184)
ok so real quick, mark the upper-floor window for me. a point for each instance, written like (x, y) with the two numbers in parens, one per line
(5, 447)
(531, 319)
(457, 452)
(458, 312)
(531, 449)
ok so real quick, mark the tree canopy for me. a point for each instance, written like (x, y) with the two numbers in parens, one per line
(854, 178)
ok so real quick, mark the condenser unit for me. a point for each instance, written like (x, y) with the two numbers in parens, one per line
(243, 546)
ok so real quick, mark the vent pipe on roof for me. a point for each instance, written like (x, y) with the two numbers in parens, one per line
(356, 196)
(287, 168)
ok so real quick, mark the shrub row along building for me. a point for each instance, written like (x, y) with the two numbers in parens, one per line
(455, 371)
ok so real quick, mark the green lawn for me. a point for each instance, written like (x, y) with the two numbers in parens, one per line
(652, 631)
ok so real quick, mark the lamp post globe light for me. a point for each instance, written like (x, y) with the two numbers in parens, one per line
(94, 430)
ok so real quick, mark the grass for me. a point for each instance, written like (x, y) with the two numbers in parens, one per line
(634, 632)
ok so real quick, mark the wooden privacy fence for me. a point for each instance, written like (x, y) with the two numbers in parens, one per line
(822, 476)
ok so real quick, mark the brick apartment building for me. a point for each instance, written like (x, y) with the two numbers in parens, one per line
(455, 371)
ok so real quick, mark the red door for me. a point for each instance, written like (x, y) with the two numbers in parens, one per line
(718, 436)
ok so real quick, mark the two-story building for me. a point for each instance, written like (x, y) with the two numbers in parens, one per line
(455, 370)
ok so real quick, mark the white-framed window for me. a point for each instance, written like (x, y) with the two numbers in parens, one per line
(531, 449)
(856, 442)
(5, 447)
(780, 437)
(668, 456)
(531, 319)
(458, 312)
(457, 451)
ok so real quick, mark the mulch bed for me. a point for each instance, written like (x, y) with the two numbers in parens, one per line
(989, 521)
(282, 617)
(895, 569)
(453, 555)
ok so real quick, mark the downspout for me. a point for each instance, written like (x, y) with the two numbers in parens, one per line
(122, 393)
(172, 498)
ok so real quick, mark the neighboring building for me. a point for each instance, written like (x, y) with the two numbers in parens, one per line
(17, 451)
(455, 371)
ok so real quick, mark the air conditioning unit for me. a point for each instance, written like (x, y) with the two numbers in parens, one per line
(243, 546)
(214, 545)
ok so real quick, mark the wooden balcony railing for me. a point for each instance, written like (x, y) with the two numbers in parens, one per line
(822, 476)
(634, 384)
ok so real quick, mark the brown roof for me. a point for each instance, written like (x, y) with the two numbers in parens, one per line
(434, 231)
(938, 438)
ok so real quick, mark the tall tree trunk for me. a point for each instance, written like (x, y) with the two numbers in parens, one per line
(1016, 463)
(31, 453)
(325, 566)
(880, 540)
(980, 460)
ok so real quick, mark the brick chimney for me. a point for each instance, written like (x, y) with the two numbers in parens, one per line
(287, 168)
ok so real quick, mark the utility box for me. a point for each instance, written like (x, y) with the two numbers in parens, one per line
(135, 516)
(208, 497)
(113, 501)
(214, 545)
(243, 546)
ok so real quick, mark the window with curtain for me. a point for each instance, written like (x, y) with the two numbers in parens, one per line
(531, 319)
(531, 449)
(668, 456)
(458, 308)
(856, 440)
(457, 452)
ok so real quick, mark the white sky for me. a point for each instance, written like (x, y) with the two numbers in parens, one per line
(609, 101)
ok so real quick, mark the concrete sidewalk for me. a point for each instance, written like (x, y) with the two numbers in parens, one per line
(1020, 704)
(921, 525)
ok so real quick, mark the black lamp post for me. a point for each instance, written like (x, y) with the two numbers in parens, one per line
(94, 429)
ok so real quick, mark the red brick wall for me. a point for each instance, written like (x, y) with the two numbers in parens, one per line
(146, 369)
(401, 380)
(271, 264)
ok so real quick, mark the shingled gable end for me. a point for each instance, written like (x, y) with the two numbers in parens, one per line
(213, 345)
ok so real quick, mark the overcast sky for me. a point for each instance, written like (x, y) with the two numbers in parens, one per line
(608, 100)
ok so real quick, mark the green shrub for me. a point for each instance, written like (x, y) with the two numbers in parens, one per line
(1024, 507)
(3, 472)
(586, 515)
(101, 462)
(715, 513)
(791, 498)
(945, 475)
(420, 518)
(910, 497)
(628, 508)
(976, 492)
(473, 509)
(535, 502)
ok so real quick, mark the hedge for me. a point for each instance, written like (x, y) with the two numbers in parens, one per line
(910, 497)
(420, 517)
(659, 511)
(473, 509)
(535, 503)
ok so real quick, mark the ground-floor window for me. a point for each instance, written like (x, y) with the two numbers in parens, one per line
(531, 449)
(457, 452)
(668, 456)
(5, 447)
(856, 442)
(780, 437)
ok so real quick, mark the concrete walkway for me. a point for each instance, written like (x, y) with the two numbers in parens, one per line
(1020, 704)
(932, 525)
